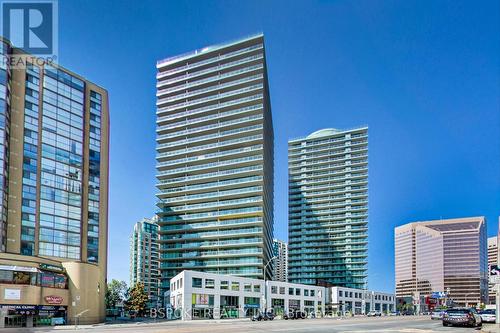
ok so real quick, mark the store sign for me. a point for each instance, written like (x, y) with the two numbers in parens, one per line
(52, 268)
(53, 299)
(438, 294)
(12, 294)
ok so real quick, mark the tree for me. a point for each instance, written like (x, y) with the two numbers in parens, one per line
(115, 293)
(138, 299)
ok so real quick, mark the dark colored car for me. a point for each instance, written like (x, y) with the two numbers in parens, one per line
(462, 317)
(295, 315)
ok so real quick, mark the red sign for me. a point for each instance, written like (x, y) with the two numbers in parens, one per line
(53, 299)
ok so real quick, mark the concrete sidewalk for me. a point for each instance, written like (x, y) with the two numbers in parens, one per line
(491, 328)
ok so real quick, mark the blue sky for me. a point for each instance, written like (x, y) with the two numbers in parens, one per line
(423, 75)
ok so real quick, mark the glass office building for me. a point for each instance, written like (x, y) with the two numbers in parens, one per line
(215, 161)
(54, 128)
(443, 256)
(145, 259)
(328, 208)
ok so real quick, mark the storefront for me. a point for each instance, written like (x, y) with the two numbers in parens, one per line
(32, 296)
(293, 304)
(309, 306)
(278, 305)
(33, 315)
(229, 307)
(251, 306)
(202, 306)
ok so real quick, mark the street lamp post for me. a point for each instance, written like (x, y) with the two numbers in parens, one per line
(265, 286)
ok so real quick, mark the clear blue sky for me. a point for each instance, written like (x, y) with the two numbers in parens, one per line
(423, 75)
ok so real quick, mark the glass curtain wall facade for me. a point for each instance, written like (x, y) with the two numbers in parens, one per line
(4, 140)
(215, 161)
(459, 264)
(144, 259)
(328, 208)
(55, 149)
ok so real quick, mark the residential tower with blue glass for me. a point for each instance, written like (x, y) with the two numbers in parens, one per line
(328, 208)
(215, 161)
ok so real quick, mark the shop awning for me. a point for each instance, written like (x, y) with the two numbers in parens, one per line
(19, 268)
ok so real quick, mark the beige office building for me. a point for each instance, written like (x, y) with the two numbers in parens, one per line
(53, 195)
(442, 256)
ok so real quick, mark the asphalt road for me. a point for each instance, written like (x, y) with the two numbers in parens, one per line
(354, 325)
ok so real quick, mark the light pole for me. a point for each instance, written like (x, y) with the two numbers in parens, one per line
(265, 286)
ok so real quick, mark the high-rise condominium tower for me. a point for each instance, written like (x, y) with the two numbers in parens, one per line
(280, 267)
(145, 259)
(215, 161)
(443, 256)
(54, 130)
(328, 208)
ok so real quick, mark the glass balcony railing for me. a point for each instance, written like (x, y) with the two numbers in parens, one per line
(165, 73)
(211, 117)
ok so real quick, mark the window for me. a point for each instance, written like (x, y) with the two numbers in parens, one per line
(256, 288)
(224, 285)
(274, 290)
(47, 279)
(282, 290)
(312, 293)
(290, 291)
(247, 287)
(235, 286)
(340, 293)
(209, 283)
(196, 283)
(306, 292)
(297, 292)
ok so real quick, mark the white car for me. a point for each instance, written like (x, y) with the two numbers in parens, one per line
(488, 316)
(374, 314)
(437, 315)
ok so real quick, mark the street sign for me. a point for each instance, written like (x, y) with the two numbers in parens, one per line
(494, 270)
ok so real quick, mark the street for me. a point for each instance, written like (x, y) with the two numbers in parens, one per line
(353, 325)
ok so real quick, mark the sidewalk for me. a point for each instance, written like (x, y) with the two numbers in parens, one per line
(491, 328)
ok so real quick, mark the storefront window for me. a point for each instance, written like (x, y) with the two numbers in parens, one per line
(21, 278)
(60, 281)
(6, 276)
(47, 279)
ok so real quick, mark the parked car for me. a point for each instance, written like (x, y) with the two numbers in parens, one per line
(488, 316)
(294, 315)
(394, 313)
(263, 316)
(437, 314)
(462, 317)
(374, 314)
